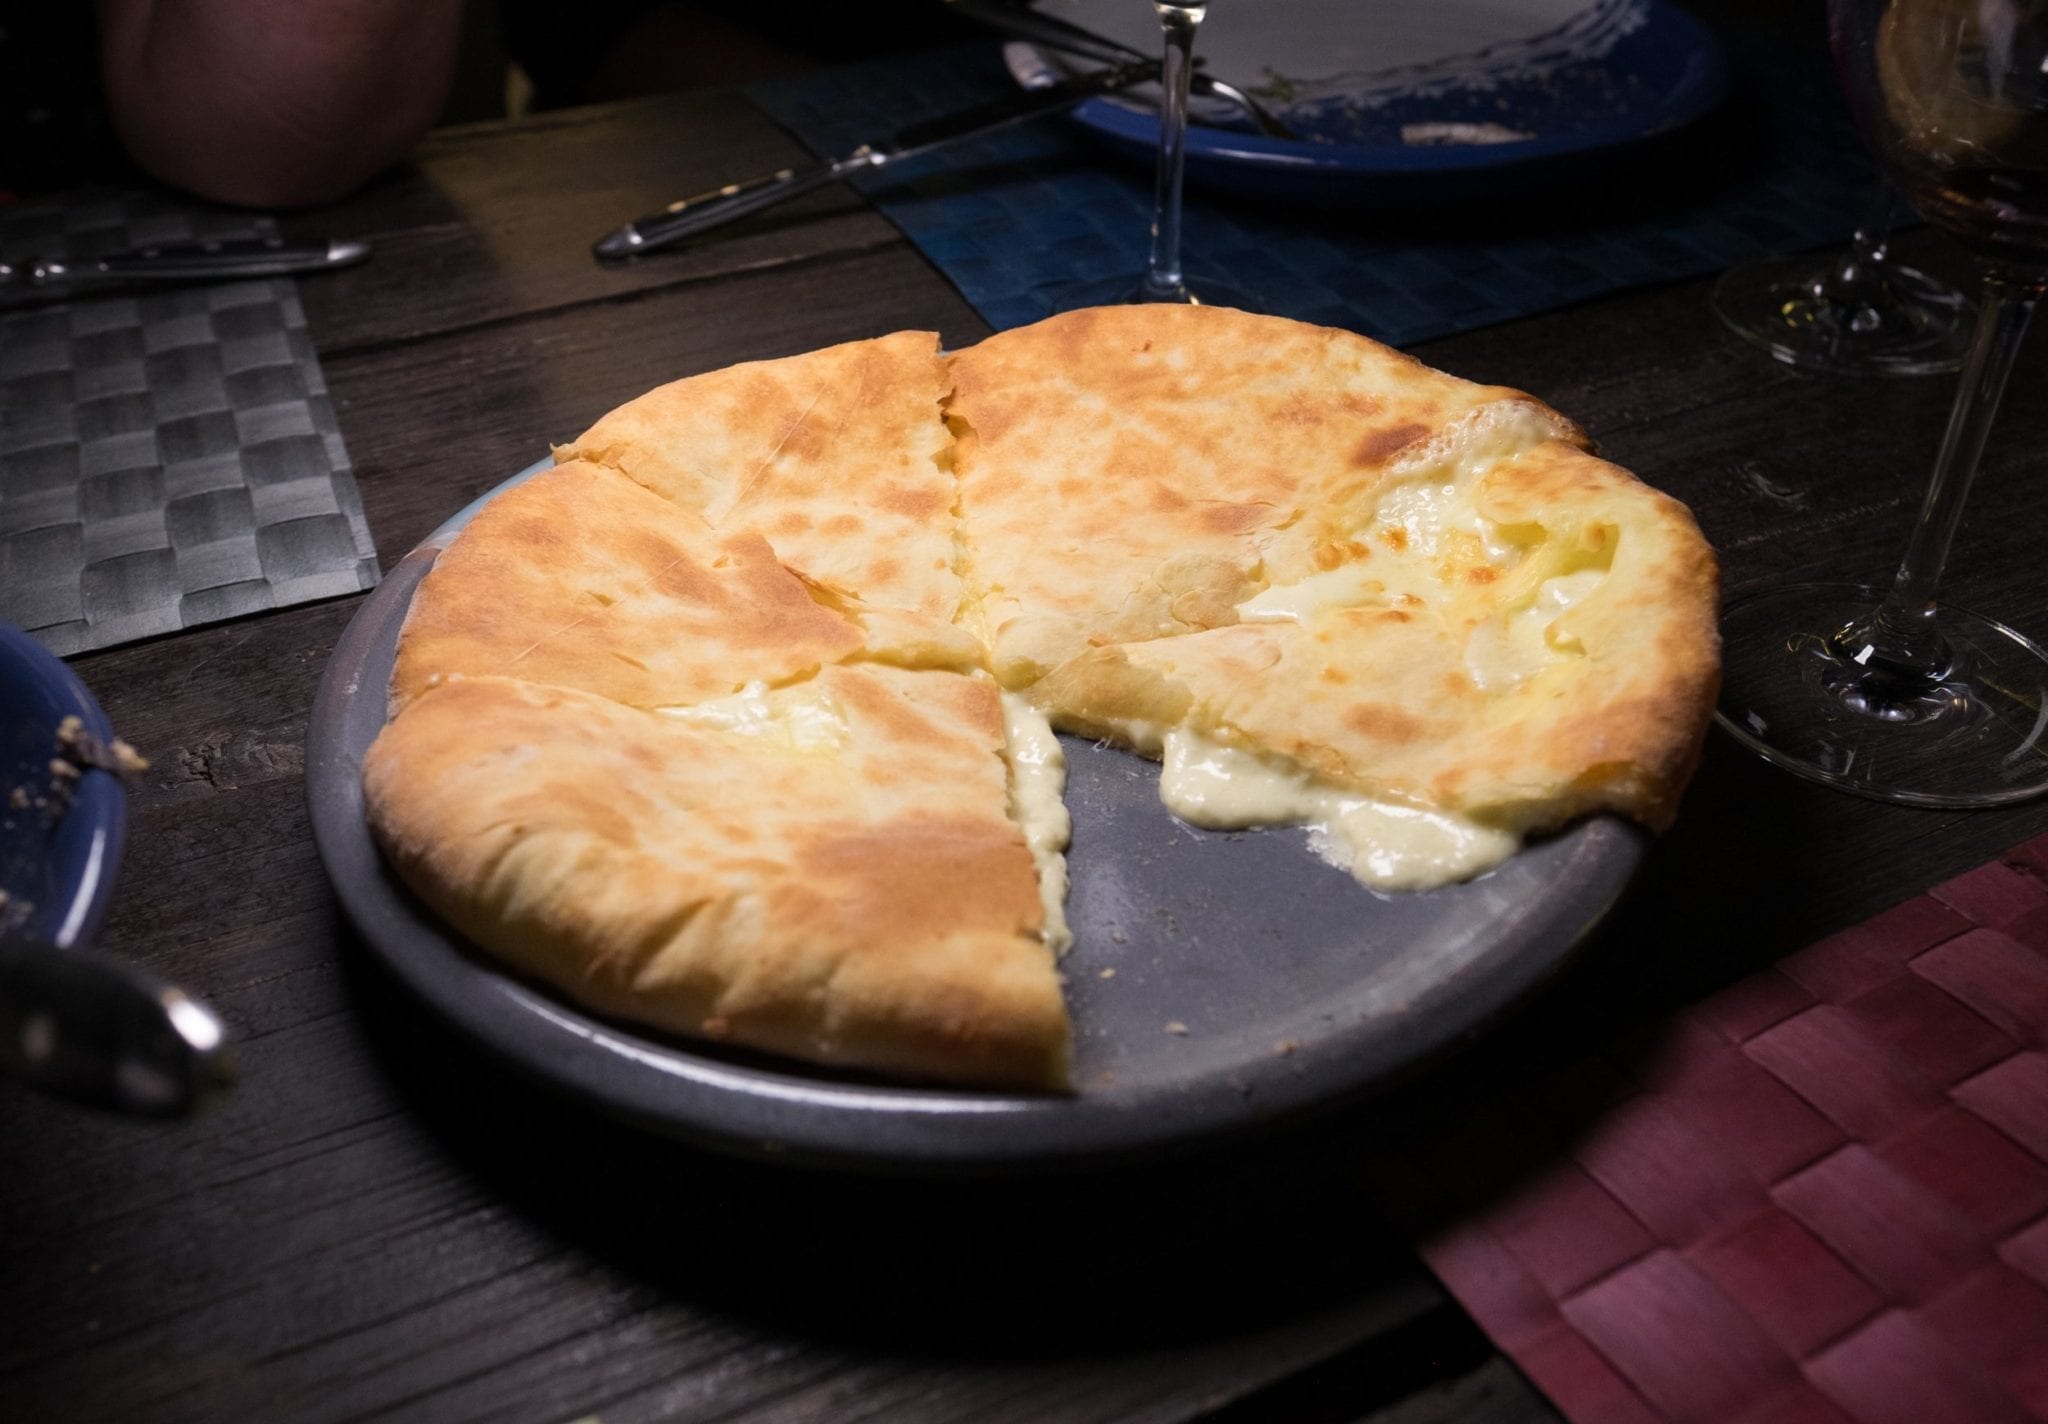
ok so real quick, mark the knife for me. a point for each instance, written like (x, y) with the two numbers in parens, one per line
(689, 216)
(183, 262)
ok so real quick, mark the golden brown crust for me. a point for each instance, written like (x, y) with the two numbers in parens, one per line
(834, 456)
(580, 578)
(845, 885)
(1132, 472)
(866, 904)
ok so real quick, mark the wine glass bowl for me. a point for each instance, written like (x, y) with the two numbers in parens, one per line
(1956, 100)
(1891, 693)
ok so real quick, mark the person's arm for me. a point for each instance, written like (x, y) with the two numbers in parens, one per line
(274, 104)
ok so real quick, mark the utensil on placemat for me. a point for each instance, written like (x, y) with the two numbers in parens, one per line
(1021, 21)
(87, 1026)
(209, 261)
(687, 217)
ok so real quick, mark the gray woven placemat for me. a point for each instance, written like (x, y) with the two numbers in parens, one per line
(166, 459)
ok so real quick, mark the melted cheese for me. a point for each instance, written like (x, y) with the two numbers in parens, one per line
(1038, 776)
(1437, 518)
(1350, 586)
(1386, 846)
(1425, 523)
(803, 719)
(1505, 651)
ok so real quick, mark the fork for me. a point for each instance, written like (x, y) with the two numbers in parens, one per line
(1037, 27)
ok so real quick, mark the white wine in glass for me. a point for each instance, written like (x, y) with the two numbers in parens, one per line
(1889, 692)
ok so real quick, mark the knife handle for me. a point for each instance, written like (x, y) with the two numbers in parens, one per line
(204, 261)
(687, 217)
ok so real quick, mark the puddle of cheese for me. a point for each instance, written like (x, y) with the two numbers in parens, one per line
(1434, 516)
(1421, 524)
(1038, 777)
(1386, 846)
(1421, 530)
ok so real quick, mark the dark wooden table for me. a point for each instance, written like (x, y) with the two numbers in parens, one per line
(382, 1223)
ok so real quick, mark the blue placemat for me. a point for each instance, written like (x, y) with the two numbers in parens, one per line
(1019, 220)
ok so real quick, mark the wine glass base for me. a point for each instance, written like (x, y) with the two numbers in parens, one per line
(1976, 736)
(1134, 291)
(1916, 327)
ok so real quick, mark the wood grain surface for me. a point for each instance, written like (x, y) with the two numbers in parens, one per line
(384, 1224)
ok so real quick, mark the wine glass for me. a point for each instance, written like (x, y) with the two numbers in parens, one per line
(1853, 313)
(1888, 692)
(1163, 280)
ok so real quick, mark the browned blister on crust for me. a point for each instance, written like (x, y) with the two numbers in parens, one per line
(861, 901)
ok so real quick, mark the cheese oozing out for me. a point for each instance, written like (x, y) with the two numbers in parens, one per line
(1038, 777)
(1384, 845)
(1425, 519)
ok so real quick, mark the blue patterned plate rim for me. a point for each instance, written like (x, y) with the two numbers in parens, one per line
(1673, 56)
(62, 867)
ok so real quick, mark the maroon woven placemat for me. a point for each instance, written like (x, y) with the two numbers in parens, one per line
(1820, 1195)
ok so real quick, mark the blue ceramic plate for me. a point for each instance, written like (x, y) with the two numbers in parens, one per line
(56, 866)
(1220, 981)
(1446, 100)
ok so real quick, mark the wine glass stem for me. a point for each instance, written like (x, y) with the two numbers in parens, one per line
(1902, 630)
(1163, 281)
(1869, 247)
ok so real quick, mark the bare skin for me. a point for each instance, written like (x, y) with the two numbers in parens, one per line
(274, 103)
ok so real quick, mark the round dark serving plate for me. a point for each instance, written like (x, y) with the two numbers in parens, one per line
(1251, 982)
(61, 867)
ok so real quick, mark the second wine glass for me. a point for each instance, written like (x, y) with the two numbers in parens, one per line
(1163, 279)
(1891, 692)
